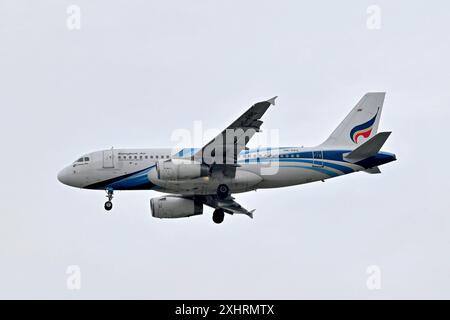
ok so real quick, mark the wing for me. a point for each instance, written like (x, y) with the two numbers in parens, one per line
(222, 152)
(228, 205)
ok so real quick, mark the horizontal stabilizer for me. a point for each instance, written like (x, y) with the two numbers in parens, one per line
(374, 170)
(369, 148)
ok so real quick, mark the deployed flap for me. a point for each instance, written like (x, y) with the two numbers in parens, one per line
(369, 148)
(374, 170)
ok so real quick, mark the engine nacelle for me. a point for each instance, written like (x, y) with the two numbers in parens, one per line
(178, 169)
(174, 207)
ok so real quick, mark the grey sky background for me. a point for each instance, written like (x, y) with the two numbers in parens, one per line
(137, 70)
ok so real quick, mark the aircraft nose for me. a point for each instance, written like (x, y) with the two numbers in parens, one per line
(63, 176)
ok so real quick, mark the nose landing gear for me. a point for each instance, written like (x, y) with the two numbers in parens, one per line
(108, 205)
(109, 195)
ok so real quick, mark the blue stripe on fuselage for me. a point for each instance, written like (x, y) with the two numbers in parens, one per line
(377, 160)
(135, 180)
(339, 167)
(334, 155)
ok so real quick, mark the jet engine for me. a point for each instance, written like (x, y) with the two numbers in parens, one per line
(178, 169)
(174, 207)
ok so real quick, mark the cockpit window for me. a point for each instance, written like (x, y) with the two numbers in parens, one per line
(79, 160)
(86, 158)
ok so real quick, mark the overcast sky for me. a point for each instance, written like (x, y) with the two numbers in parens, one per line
(138, 70)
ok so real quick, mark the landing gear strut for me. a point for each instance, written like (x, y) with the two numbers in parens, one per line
(223, 191)
(109, 195)
(218, 216)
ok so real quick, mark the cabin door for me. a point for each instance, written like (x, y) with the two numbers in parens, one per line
(108, 158)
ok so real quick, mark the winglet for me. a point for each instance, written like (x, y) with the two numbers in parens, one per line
(272, 100)
(250, 213)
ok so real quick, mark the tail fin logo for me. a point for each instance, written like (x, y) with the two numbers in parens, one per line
(363, 130)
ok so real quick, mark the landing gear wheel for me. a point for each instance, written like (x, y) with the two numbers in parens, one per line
(223, 191)
(109, 195)
(108, 205)
(218, 216)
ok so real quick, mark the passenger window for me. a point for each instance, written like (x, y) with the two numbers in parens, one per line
(135, 157)
(156, 157)
(167, 157)
(130, 157)
(146, 157)
(140, 157)
(151, 157)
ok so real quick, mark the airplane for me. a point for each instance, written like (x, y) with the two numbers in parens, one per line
(209, 176)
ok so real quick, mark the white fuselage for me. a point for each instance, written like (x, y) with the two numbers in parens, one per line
(135, 169)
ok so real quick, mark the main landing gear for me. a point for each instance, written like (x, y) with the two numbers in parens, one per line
(223, 191)
(109, 195)
(218, 216)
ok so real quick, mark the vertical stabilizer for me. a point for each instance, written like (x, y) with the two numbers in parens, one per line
(360, 124)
